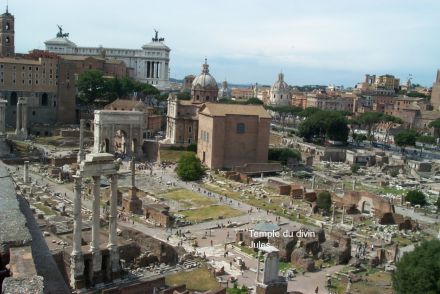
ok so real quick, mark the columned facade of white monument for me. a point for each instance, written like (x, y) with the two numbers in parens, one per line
(150, 64)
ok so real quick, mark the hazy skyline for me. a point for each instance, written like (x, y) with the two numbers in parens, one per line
(312, 42)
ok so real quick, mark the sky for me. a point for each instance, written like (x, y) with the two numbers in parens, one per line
(248, 41)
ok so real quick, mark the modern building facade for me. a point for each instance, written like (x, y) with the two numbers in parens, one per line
(232, 135)
(150, 64)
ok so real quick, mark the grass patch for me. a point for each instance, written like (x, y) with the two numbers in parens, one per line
(210, 212)
(284, 266)
(44, 208)
(392, 190)
(402, 241)
(172, 155)
(197, 280)
(188, 198)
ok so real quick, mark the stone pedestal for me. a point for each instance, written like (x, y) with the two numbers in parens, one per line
(96, 271)
(131, 203)
(77, 280)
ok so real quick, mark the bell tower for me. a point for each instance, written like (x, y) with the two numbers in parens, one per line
(7, 34)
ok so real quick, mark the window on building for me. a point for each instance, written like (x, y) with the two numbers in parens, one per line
(7, 26)
(240, 128)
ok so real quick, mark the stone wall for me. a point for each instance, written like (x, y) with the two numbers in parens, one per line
(165, 253)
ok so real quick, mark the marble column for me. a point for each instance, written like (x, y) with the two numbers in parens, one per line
(133, 174)
(94, 245)
(3, 116)
(354, 184)
(18, 121)
(112, 239)
(26, 172)
(76, 257)
(81, 154)
(257, 280)
(333, 213)
(24, 117)
(313, 182)
(343, 214)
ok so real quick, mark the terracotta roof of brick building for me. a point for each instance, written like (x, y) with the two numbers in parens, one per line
(217, 109)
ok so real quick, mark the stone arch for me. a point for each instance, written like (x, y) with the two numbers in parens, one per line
(44, 99)
(14, 99)
(115, 124)
(120, 141)
(366, 206)
(106, 145)
(134, 146)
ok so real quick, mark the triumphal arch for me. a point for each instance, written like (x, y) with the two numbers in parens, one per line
(118, 131)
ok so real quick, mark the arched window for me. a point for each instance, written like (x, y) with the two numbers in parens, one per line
(14, 98)
(7, 26)
(44, 100)
(7, 40)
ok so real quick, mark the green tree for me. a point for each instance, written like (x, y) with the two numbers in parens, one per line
(324, 200)
(283, 154)
(324, 125)
(369, 120)
(184, 96)
(405, 138)
(438, 204)
(91, 86)
(416, 197)
(418, 272)
(435, 124)
(189, 167)
(426, 139)
(254, 101)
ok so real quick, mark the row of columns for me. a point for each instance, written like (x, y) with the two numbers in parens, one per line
(155, 70)
(21, 125)
(3, 116)
(77, 259)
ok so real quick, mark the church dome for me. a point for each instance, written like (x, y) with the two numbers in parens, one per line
(280, 85)
(279, 92)
(205, 79)
(225, 91)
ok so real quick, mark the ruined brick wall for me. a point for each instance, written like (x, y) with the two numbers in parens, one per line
(159, 217)
(164, 252)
